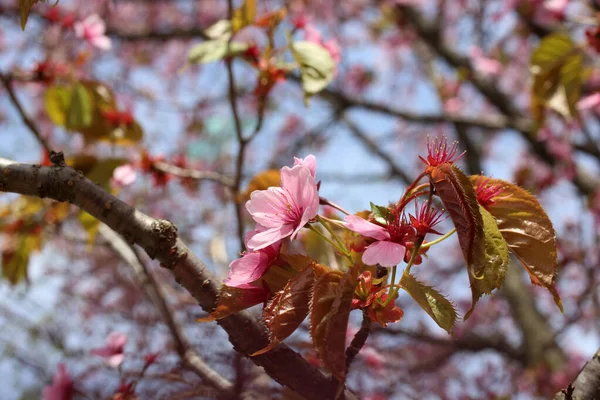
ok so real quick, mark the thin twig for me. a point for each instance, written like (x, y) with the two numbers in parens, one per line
(359, 339)
(194, 174)
(152, 288)
(7, 82)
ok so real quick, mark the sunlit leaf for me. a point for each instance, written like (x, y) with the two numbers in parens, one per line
(381, 214)
(16, 251)
(90, 225)
(289, 307)
(557, 69)
(219, 30)
(262, 181)
(244, 15)
(272, 19)
(317, 67)
(214, 50)
(283, 269)
(329, 312)
(528, 231)
(457, 194)
(81, 108)
(232, 300)
(434, 303)
(496, 261)
(57, 101)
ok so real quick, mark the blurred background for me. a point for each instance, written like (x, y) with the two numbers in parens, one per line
(405, 69)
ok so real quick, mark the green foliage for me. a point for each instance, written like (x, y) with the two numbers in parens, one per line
(381, 214)
(214, 50)
(25, 9)
(317, 67)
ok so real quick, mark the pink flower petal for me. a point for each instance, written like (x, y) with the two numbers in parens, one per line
(590, 101)
(386, 254)
(264, 206)
(270, 236)
(366, 228)
(309, 162)
(101, 42)
(116, 360)
(247, 269)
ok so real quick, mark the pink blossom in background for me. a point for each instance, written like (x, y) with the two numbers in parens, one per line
(123, 176)
(311, 34)
(92, 29)
(113, 351)
(589, 102)
(252, 265)
(453, 105)
(283, 211)
(309, 162)
(557, 8)
(384, 251)
(485, 65)
(62, 386)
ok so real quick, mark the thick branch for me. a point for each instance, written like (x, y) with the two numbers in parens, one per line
(159, 239)
(586, 385)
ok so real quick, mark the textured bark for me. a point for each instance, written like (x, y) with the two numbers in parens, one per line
(586, 385)
(159, 239)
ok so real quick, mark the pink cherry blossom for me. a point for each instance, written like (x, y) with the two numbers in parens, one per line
(283, 211)
(252, 265)
(589, 102)
(485, 65)
(309, 162)
(93, 29)
(311, 34)
(123, 176)
(385, 251)
(62, 386)
(113, 352)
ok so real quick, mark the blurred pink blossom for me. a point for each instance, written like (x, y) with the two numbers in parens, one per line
(92, 29)
(113, 351)
(589, 102)
(123, 176)
(62, 386)
(485, 65)
(311, 34)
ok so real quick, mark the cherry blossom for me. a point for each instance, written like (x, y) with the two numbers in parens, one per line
(252, 265)
(93, 29)
(113, 351)
(309, 162)
(62, 386)
(282, 211)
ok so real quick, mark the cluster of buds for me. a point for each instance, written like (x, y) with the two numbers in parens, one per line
(55, 15)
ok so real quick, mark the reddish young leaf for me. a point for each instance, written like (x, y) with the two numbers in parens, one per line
(289, 307)
(496, 261)
(284, 269)
(232, 300)
(329, 311)
(458, 196)
(528, 231)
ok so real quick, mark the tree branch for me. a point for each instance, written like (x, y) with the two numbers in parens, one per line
(187, 353)
(586, 386)
(159, 239)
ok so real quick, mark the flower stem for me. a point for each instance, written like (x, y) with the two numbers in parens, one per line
(392, 284)
(440, 239)
(336, 246)
(332, 233)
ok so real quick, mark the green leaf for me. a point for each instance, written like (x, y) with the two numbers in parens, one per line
(496, 261)
(214, 50)
(103, 170)
(15, 255)
(381, 214)
(557, 69)
(80, 109)
(528, 231)
(219, 30)
(57, 101)
(434, 303)
(90, 224)
(329, 312)
(316, 66)
(244, 15)
(289, 307)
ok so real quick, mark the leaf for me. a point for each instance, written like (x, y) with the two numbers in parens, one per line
(57, 101)
(329, 311)
(283, 269)
(219, 30)
(103, 170)
(244, 15)
(289, 307)
(434, 303)
(16, 251)
(496, 261)
(381, 214)
(262, 181)
(80, 110)
(25, 9)
(214, 50)
(317, 67)
(557, 68)
(457, 194)
(528, 231)
(232, 300)
(91, 225)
